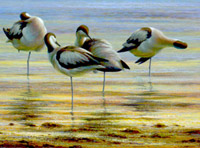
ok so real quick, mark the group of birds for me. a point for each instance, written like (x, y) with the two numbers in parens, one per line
(88, 54)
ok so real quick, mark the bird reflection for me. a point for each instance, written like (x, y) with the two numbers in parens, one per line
(26, 108)
(150, 86)
(145, 86)
(104, 101)
(28, 92)
(72, 116)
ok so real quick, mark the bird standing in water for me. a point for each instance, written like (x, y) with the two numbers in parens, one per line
(27, 34)
(147, 42)
(70, 60)
(102, 49)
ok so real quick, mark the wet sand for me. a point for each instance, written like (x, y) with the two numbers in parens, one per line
(132, 113)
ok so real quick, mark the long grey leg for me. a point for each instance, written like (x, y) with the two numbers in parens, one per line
(150, 70)
(72, 104)
(29, 54)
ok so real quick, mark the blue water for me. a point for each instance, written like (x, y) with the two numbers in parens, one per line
(114, 20)
(113, 15)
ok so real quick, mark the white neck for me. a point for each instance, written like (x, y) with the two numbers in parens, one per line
(163, 40)
(79, 40)
(168, 42)
(52, 41)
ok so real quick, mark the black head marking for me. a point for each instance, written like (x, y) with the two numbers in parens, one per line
(48, 35)
(24, 16)
(83, 28)
(47, 41)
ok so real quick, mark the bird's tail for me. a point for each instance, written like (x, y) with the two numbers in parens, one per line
(110, 69)
(6, 31)
(142, 60)
(124, 49)
(124, 65)
(180, 45)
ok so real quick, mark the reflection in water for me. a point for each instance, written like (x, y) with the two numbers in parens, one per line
(143, 102)
(104, 101)
(28, 84)
(144, 85)
(150, 86)
(146, 106)
(26, 109)
(72, 117)
(101, 119)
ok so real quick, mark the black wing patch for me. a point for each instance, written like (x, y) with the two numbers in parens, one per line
(114, 69)
(136, 39)
(149, 32)
(16, 31)
(109, 69)
(6, 31)
(91, 61)
(137, 42)
(88, 43)
(124, 49)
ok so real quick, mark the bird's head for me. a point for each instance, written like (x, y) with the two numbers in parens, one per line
(51, 42)
(83, 31)
(24, 16)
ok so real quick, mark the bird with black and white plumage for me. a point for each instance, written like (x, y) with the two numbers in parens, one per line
(27, 34)
(70, 60)
(146, 42)
(102, 49)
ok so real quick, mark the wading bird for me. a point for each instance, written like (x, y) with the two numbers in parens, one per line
(102, 49)
(147, 42)
(27, 34)
(70, 60)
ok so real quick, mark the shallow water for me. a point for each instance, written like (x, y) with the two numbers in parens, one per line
(132, 112)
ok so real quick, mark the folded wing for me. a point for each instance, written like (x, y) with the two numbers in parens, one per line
(16, 31)
(136, 39)
(71, 58)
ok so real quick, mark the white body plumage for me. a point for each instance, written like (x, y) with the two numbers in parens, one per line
(33, 34)
(28, 34)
